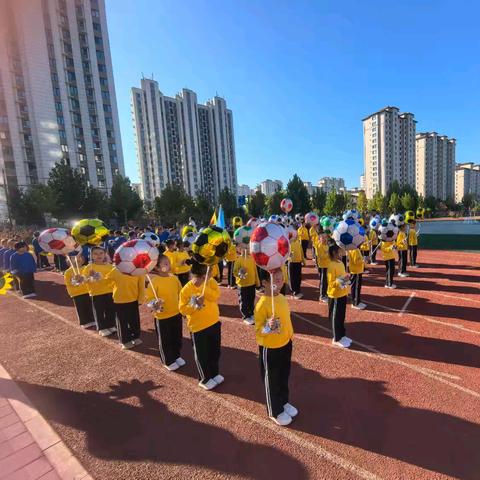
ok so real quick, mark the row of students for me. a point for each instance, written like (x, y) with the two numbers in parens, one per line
(18, 261)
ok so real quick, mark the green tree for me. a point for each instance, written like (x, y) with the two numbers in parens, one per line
(468, 201)
(273, 203)
(421, 201)
(331, 203)
(298, 193)
(408, 202)
(395, 204)
(256, 204)
(228, 201)
(362, 203)
(318, 200)
(125, 203)
(431, 203)
(95, 204)
(203, 208)
(174, 205)
(67, 187)
(343, 202)
(28, 207)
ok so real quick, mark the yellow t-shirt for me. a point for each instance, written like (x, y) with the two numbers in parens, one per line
(335, 270)
(179, 258)
(72, 290)
(303, 233)
(231, 255)
(248, 264)
(168, 290)
(313, 233)
(284, 273)
(356, 263)
(402, 241)
(412, 237)
(321, 254)
(126, 288)
(263, 312)
(102, 286)
(372, 236)
(296, 251)
(172, 256)
(365, 246)
(200, 318)
(387, 250)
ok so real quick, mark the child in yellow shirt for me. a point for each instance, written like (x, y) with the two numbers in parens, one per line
(77, 289)
(274, 338)
(182, 262)
(100, 289)
(304, 238)
(402, 247)
(297, 261)
(162, 296)
(246, 275)
(356, 266)
(373, 241)
(337, 295)
(230, 258)
(413, 244)
(203, 320)
(320, 246)
(171, 253)
(388, 249)
(365, 247)
(128, 293)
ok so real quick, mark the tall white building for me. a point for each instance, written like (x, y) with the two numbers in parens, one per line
(467, 180)
(244, 190)
(269, 187)
(311, 189)
(328, 184)
(435, 172)
(388, 150)
(180, 141)
(57, 94)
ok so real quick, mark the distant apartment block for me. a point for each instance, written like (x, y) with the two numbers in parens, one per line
(244, 190)
(269, 187)
(435, 165)
(467, 180)
(328, 184)
(180, 141)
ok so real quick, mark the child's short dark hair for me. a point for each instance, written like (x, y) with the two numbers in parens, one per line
(161, 257)
(169, 242)
(20, 245)
(332, 249)
(199, 269)
(180, 243)
(118, 232)
(96, 247)
(263, 275)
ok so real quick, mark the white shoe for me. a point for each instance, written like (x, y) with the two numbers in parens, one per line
(374, 263)
(180, 362)
(105, 332)
(30, 295)
(343, 343)
(393, 287)
(172, 367)
(210, 385)
(366, 271)
(360, 306)
(249, 321)
(88, 325)
(218, 379)
(298, 296)
(347, 340)
(283, 419)
(113, 329)
(127, 346)
(324, 299)
(290, 410)
(137, 341)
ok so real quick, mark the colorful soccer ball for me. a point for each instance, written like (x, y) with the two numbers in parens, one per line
(384, 222)
(58, 241)
(242, 235)
(269, 246)
(409, 216)
(420, 212)
(397, 219)
(388, 233)
(312, 219)
(348, 234)
(187, 229)
(237, 222)
(275, 219)
(353, 214)
(375, 223)
(286, 205)
(361, 221)
(253, 222)
(189, 238)
(287, 220)
(211, 245)
(136, 257)
(299, 218)
(327, 223)
(151, 237)
(89, 231)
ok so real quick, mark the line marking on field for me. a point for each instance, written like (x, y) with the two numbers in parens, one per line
(406, 304)
(290, 435)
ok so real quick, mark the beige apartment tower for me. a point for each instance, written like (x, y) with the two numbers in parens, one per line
(388, 150)
(467, 181)
(435, 175)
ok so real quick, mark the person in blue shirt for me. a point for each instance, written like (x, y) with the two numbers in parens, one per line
(3, 249)
(116, 242)
(42, 260)
(23, 266)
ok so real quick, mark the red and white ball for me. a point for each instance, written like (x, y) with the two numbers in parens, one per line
(58, 241)
(286, 205)
(253, 222)
(269, 246)
(312, 219)
(136, 257)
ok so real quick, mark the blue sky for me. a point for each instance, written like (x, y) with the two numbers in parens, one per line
(300, 75)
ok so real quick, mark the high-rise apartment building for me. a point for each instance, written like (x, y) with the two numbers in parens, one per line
(328, 184)
(269, 187)
(388, 150)
(467, 181)
(244, 190)
(435, 171)
(180, 141)
(57, 94)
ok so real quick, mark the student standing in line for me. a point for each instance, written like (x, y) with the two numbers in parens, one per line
(402, 248)
(356, 266)
(23, 266)
(322, 258)
(295, 264)
(413, 245)
(388, 249)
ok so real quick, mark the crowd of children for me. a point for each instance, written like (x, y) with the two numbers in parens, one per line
(181, 289)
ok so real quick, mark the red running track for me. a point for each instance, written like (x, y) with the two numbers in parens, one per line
(403, 402)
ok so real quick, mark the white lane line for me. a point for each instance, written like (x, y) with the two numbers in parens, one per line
(389, 358)
(290, 435)
(406, 304)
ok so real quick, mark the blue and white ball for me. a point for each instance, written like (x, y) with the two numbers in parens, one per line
(275, 219)
(375, 223)
(351, 214)
(348, 234)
